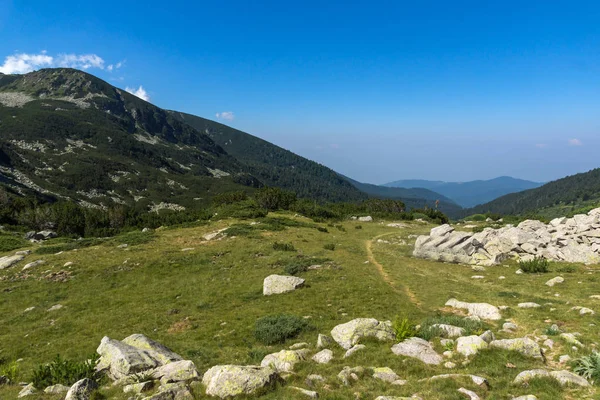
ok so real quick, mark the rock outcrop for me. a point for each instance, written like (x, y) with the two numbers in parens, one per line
(574, 239)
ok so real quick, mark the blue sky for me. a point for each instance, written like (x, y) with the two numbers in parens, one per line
(376, 90)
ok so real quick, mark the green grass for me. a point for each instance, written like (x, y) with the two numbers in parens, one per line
(216, 289)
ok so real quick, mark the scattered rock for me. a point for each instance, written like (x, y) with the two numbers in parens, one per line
(419, 349)
(138, 387)
(176, 371)
(571, 339)
(470, 394)
(232, 380)
(56, 389)
(526, 397)
(509, 327)
(554, 281)
(27, 391)
(324, 341)
(354, 349)
(277, 284)
(350, 333)
(347, 375)
(81, 390)
(55, 307)
(387, 375)
(478, 380)
(565, 378)
(525, 346)
(9, 261)
(470, 345)
(309, 393)
(449, 331)
(33, 264)
(298, 346)
(481, 310)
(323, 357)
(365, 219)
(284, 360)
(488, 336)
(529, 305)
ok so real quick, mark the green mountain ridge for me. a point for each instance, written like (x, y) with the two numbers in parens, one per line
(556, 198)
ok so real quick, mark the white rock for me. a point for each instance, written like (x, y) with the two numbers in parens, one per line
(419, 349)
(81, 390)
(284, 361)
(232, 380)
(554, 281)
(470, 394)
(481, 310)
(528, 305)
(323, 357)
(350, 333)
(354, 349)
(470, 345)
(277, 284)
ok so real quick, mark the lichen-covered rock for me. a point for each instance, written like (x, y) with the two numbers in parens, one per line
(526, 397)
(566, 378)
(81, 390)
(525, 346)
(354, 349)
(120, 359)
(387, 374)
(308, 393)
(176, 371)
(347, 375)
(277, 284)
(350, 333)
(571, 339)
(526, 376)
(419, 349)
(285, 360)
(478, 380)
(528, 305)
(469, 393)
(155, 349)
(323, 357)
(481, 310)
(232, 380)
(138, 387)
(56, 389)
(470, 345)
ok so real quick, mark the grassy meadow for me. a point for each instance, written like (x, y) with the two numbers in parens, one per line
(202, 298)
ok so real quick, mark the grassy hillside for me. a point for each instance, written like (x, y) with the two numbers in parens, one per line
(554, 199)
(470, 194)
(202, 299)
(275, 166)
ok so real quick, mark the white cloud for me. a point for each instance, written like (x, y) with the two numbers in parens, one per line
(23, 63)
(541, 145)
(109, 68)
(82, 61)
(139, 92)
(227, 115)
(575, 142)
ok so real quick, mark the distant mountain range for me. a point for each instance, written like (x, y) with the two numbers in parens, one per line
(557, 198)
(470, 194)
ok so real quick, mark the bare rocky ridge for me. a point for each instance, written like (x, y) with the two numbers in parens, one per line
(574, 239)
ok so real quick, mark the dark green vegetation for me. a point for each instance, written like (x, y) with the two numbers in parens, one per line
(470, 194)
(588, 367)
(64, 372)
(564, 197)
(275, 166)
(275, 329)
(537, 265)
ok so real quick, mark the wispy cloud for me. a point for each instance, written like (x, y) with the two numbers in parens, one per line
(575, 142)
(139, 92)
(227, 115)
(22, 63)
(541, 145)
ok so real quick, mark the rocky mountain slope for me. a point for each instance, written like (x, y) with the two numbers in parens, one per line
(275, 166)
(70, 135)
(472, 193)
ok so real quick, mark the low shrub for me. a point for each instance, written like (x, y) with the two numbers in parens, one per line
(537, 265)
(63, 371)
(329, 246)
(240, 230)
(403, 328)
(427, 330)
(275, 329)
(588, 366)
(10, 243)
(9, 370)
(283, 246)
(322, 229)
(301, 265)
(358, 227)
(552, 330)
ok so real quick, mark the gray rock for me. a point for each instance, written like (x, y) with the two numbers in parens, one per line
(323, 357)
(138, 387)
(156, 350)
(554, 281)
(309, 393)
(571, 339)
(441, 230)
(487, 336)
(354, 349)
(9, 261)
(478, 380)
(277, 284)
(81, 390)
(387, 374)
(526, 397)
(27, 391)
(470, 345)
(33, 264)
(526, 376)
(44, 235)
(120, 359)
(285, 360)
(350, 333)
(481, 310)
(347, 375)
(176, 371)
(528, 305)
(525, 346)
(566, 378)
(365, 219)
(324, 341)
(232, 380)
(419, 349)
(470, 394)
(449, 331)
(56, 389)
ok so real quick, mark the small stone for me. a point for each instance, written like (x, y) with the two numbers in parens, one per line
(565, 358)
(55, 307)
(56, 389)
(298, 346)
(81, 390)
(354, 350)
(554, 281)
(324, 341)
(529, 305)
(449, 365)
(470, 394)
(27, 391)
(138, 387)
(385, 374)
(309, 393)
(470, 345)
(323, 357)
(509, 326)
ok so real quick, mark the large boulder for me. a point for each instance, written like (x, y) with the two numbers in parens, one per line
(277, 284)
(350, 333)
(177, 371)
(155, 349)
(481, 310)
(232, 380)
(417, 348)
